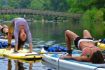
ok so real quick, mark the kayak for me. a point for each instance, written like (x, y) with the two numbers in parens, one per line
(69, 64)
(21, 54)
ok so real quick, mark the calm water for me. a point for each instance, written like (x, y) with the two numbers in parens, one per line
(42, 34)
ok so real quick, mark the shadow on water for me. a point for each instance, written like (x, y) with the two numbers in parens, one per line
(26, 65)
(23, 65)
(19, 65)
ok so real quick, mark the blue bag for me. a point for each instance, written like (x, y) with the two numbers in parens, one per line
(56, 48)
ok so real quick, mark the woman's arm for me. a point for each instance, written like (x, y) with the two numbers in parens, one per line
(29, 37)
(30, 46)
(81, 58)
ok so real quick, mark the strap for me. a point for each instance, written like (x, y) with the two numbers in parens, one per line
(69, 51)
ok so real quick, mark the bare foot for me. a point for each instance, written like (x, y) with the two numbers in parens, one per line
(8, 48)
(21, 49)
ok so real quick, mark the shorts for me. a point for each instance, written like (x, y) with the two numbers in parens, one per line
(79, 39)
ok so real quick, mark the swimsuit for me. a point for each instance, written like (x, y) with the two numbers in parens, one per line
(79, 39)
(88, 51)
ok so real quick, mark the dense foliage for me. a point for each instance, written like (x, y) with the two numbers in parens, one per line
(93, 11)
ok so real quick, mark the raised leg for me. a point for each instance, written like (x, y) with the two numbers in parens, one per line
(86, 34)
(69, 37)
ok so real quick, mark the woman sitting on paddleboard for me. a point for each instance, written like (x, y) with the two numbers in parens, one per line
(21, 32)
(90, 52)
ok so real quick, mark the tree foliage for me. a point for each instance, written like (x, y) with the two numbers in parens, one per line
(93, 11)
(58, 5)
(93, 21)
(38, 4)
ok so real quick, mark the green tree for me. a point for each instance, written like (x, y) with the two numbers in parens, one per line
(54, 5)
(58, 5)
(98, 3)
(19, 3)
(39, 4)
(93, 21)
(24, 3)
(78, 6)
(14, 3)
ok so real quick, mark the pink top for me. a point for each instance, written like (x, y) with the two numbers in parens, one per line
(88, 51)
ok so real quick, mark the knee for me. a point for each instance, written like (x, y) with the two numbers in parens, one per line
(85, 31)
(67, 31)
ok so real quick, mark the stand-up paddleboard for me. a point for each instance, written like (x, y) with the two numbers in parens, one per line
(69, 64)
(21, 54)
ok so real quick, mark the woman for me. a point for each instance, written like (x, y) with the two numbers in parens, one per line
(90, 52)
(3, 31)
(21, 32)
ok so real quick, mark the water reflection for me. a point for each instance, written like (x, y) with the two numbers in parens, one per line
(20, 64)
(9, 64)
(30, 67)
(44, 34)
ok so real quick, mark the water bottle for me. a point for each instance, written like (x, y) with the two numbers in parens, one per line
(101, 45)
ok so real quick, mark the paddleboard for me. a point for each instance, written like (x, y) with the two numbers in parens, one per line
(69, 64)
(21, 54)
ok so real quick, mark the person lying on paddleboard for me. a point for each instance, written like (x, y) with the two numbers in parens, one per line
(22, 34)
(90, 52)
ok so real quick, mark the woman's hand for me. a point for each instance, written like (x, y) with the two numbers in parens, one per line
(30, 46)
(68, 56)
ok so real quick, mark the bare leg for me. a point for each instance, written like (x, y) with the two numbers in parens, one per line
(70, 36)
(9, 38)
(86, 34)
(10, 32)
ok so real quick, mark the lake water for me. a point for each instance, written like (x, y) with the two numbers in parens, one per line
(43, 34)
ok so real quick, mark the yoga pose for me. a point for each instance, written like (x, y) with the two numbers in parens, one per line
(20, 29)
(86, 44)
